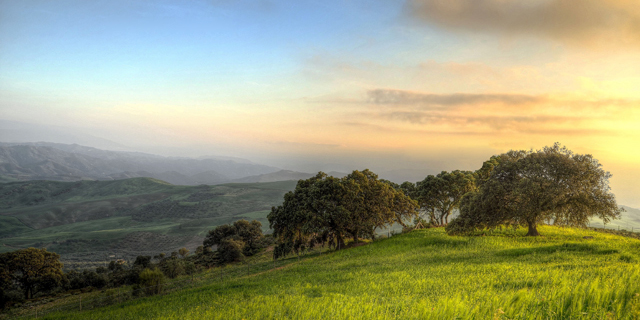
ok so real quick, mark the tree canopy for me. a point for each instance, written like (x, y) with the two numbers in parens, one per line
(439, 195)
(325, 209)
(241, 236)
(528, 187)
(32, 270)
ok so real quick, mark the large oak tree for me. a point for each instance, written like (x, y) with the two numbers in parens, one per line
(327, 209)
(528, 187)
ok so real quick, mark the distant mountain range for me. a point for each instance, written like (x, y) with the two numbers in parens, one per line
(284, 175)
(72, 162)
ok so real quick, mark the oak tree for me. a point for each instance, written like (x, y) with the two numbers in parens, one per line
(33, 270)
(528, 187)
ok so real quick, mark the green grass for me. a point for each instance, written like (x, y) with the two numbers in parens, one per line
(424, 275)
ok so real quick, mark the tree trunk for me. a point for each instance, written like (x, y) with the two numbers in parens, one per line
(533, 231)
(340, 242)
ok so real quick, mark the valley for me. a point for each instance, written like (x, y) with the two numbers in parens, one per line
(92, 222)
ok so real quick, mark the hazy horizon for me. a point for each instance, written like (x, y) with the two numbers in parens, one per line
(420, 85)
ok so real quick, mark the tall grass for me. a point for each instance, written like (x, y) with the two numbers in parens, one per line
(425, 275)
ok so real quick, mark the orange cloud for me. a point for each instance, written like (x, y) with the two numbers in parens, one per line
(576, 22)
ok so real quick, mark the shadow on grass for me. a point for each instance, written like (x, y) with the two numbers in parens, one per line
(565, 247)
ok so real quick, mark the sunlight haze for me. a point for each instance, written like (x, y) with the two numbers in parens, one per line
(425, 85)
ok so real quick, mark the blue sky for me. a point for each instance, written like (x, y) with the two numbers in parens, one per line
(390, 85)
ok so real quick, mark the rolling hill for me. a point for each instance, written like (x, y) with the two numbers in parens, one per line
(565, 274)
(88, 221)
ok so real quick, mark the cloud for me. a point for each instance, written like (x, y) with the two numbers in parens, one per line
(492, 113)
(569, 21)
(401, 97)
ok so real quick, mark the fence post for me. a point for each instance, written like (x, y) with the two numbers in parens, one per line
(248, 268)
(80, 303)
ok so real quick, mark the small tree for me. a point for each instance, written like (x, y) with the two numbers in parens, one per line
(184, 252)
(172, 267)
(439, 195)
(215, 236)
(526, 188)
(151, 281)
(244, 232)
(142, 262)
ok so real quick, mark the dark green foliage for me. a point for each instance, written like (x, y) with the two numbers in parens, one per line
(172, 267)
(30, 270)
(215, 236)
(439, 195)
(526, 188)
(234, 241)
(86, 278)
(142, 261)
(230, 250)
(205, 257)
(151, 281)
(324, 209)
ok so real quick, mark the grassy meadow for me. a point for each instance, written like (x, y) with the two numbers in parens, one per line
(423, 274)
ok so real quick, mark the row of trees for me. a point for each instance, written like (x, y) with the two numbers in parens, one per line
(517, 188)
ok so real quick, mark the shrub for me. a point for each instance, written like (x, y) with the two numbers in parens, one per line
(151, 281)
(230, 250)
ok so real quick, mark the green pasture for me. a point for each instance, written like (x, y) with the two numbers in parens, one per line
(424, 274)
(92, 220)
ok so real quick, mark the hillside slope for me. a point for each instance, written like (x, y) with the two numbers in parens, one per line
(87, 221)
(423, 275)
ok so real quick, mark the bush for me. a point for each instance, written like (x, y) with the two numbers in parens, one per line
(230, 250)
(172, 267)
(151, 281)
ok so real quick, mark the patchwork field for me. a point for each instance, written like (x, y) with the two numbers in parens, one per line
(564, 274)
(91, 222)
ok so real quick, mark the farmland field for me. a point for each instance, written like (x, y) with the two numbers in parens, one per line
(424, 274)
(91, 222)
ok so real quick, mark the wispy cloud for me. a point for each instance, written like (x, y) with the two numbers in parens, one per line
(576, 22)
(401, 97)
(491, 113)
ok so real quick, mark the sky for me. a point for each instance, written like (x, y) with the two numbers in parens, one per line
(405, 86)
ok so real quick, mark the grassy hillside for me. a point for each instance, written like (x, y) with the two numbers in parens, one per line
(98, 220)
(424, 275)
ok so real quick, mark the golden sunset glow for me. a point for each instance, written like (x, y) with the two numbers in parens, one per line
(422, 84)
